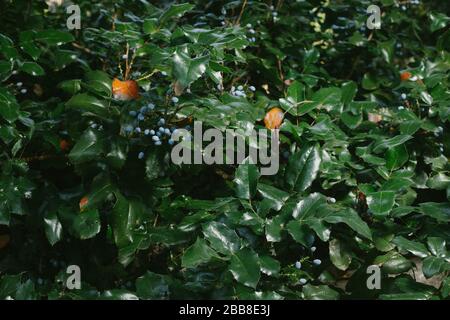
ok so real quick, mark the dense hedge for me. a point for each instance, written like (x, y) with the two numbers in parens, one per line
(364, 173)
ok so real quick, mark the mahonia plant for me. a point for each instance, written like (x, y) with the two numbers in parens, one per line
(86, 124)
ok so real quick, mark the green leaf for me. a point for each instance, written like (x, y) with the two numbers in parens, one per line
(269, 265)
(175, 10)
(381, 203)
(395, 264)
(53, 228)
(416, 248)
(87, 224)
(244, 265)
(275, 196)
(87, 103)
(306, 208)
(391, 143)
(118, 294)
(32, 68)
(352, 219)
(339, 254)
(273, 229)
(351, 120)
(150, 26)
(439, 181)
(117, 156)
(9, 285)
(434, 265)
(302, 168)
(9, 108)
(52, 37)
(70, 86)
(348, 90)
(296, 91)
(246, 180)
(445, 288)
(438, 211)
(328, 98)
(404, 296)
(396, 157)
(27, 44)
(152, 286)
(321, 292)
(426, 97)
(438, 21)
(98, 82)
(300, 232)
(221, 238)
(197, 254)
(152, 166)
(186, 69)
(26, 291)
(89, 146)
(437, 246)
(6, 68)
(126, 217)
(397, 184)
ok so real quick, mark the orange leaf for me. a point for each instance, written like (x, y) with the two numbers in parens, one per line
(83, 202)
(274, 118)
(125, 90)
(404, 76)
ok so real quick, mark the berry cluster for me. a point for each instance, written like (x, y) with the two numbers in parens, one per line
(298, 265)
(239, 91)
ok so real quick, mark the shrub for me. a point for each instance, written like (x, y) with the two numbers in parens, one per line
(86, 180)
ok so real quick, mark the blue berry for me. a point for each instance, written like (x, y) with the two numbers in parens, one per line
(155, 138)
(141, 155)
(161, 122)
(152, 132)
(298, 265)
(158, 143)
(158, 134)
(161, 129)
(252, 88)
(129, 128)
(167, 131)
(138, 130)
(141, 117)
(403, 96)
(174, 99)
(133, 113)
(94, 125)
(144, 109)
(146, 132)
(171, 142)
(151, 106)
(317, 262)
(302, 281)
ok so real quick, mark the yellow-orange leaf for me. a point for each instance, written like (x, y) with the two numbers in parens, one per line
(125, 90)
(274, 118)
